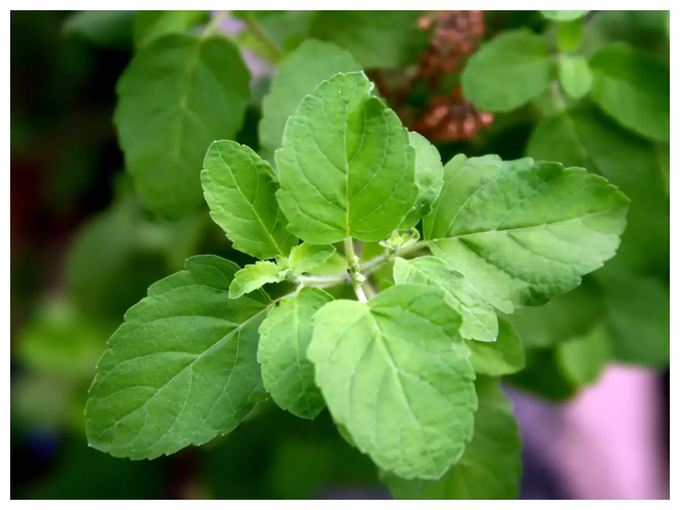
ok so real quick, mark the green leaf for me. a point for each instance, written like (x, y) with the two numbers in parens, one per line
(508, 71)
(569, 35)
(377, 39)
(639, 318)
(395, 372)
(479, 318)
(429, 178)
(564, 15)
(575, 76)
(297, 75)
(491, 467)
(284, 337)
(523, 232)
(150, 25)
(502, 357)
(586, 137)
(346, 167)
(178, 94)
(634, 88)
(570, 315)
(306, 257)
(254, 276)
(584, 358)
(105, 28)
(544, 376)
(182, 369)
(240, 188)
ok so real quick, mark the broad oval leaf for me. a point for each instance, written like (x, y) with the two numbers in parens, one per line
(285, 334)
(584, 358)
(297, 75)
(253, 277)
(523, 232)
(346, 167)
(240, 188)
(634, 88)
(491, 467)
(179, 93)
(502, 357)
(508, 71)
(429, 178)
(182, 369)
(395, 372)
(575, 76)
(479, 317)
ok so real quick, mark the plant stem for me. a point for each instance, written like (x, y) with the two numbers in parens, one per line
(213, 24)
(253, 25)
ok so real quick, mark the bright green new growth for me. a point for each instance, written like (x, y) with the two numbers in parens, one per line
(397, 369)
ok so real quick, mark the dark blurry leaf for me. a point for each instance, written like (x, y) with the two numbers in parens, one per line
(502, 357)
(634, 88)
(105, 28)
(587, 138)
(178, 95)
(298, 75)
(575, 76)
(491, 467)
(566, 316)
(584, 358)
(150, 25)
(377, 39)
(639, 318)
(301, 467)
(182, 369)
(647, 30)
(47, 400)
(62, 341)
(563, 15)
(508, 71)
(544, 377)
(283, 31)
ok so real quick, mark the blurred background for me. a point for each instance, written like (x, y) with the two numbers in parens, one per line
(84, 249)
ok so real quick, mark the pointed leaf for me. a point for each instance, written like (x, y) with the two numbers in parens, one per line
(502, 357)
(395, 372)
(491, 467)
(254, 276)
(575, 76)
(182, 369)
(479, 318)
(634, 88)
(584, 358)
(178, 94)
(305, 257)
(150, 25)
(508, 71)
(523, 232)
(240, 187)
(346, 167)
(297, 75)
(287, 374)
(429, 178)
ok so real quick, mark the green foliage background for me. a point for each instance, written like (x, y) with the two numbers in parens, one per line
(88, 238)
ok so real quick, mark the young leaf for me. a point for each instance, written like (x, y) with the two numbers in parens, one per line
(395, 372)
(181, 369)
(150, 25)
(429, 178)
(508, 71)
(254, 276)
(346, 167)
(523, 232)
(634, 88)
(491, 467)
(287, 374)
(110, 29)
(575, 76)
(584, 358)
(179, 93)
(479, 318)
(377, 39)
(297, 75)
(502, 357)
(240, 187)
(306, 257)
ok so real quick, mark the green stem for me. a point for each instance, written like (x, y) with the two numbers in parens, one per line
(275, 53)
(213, 25)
